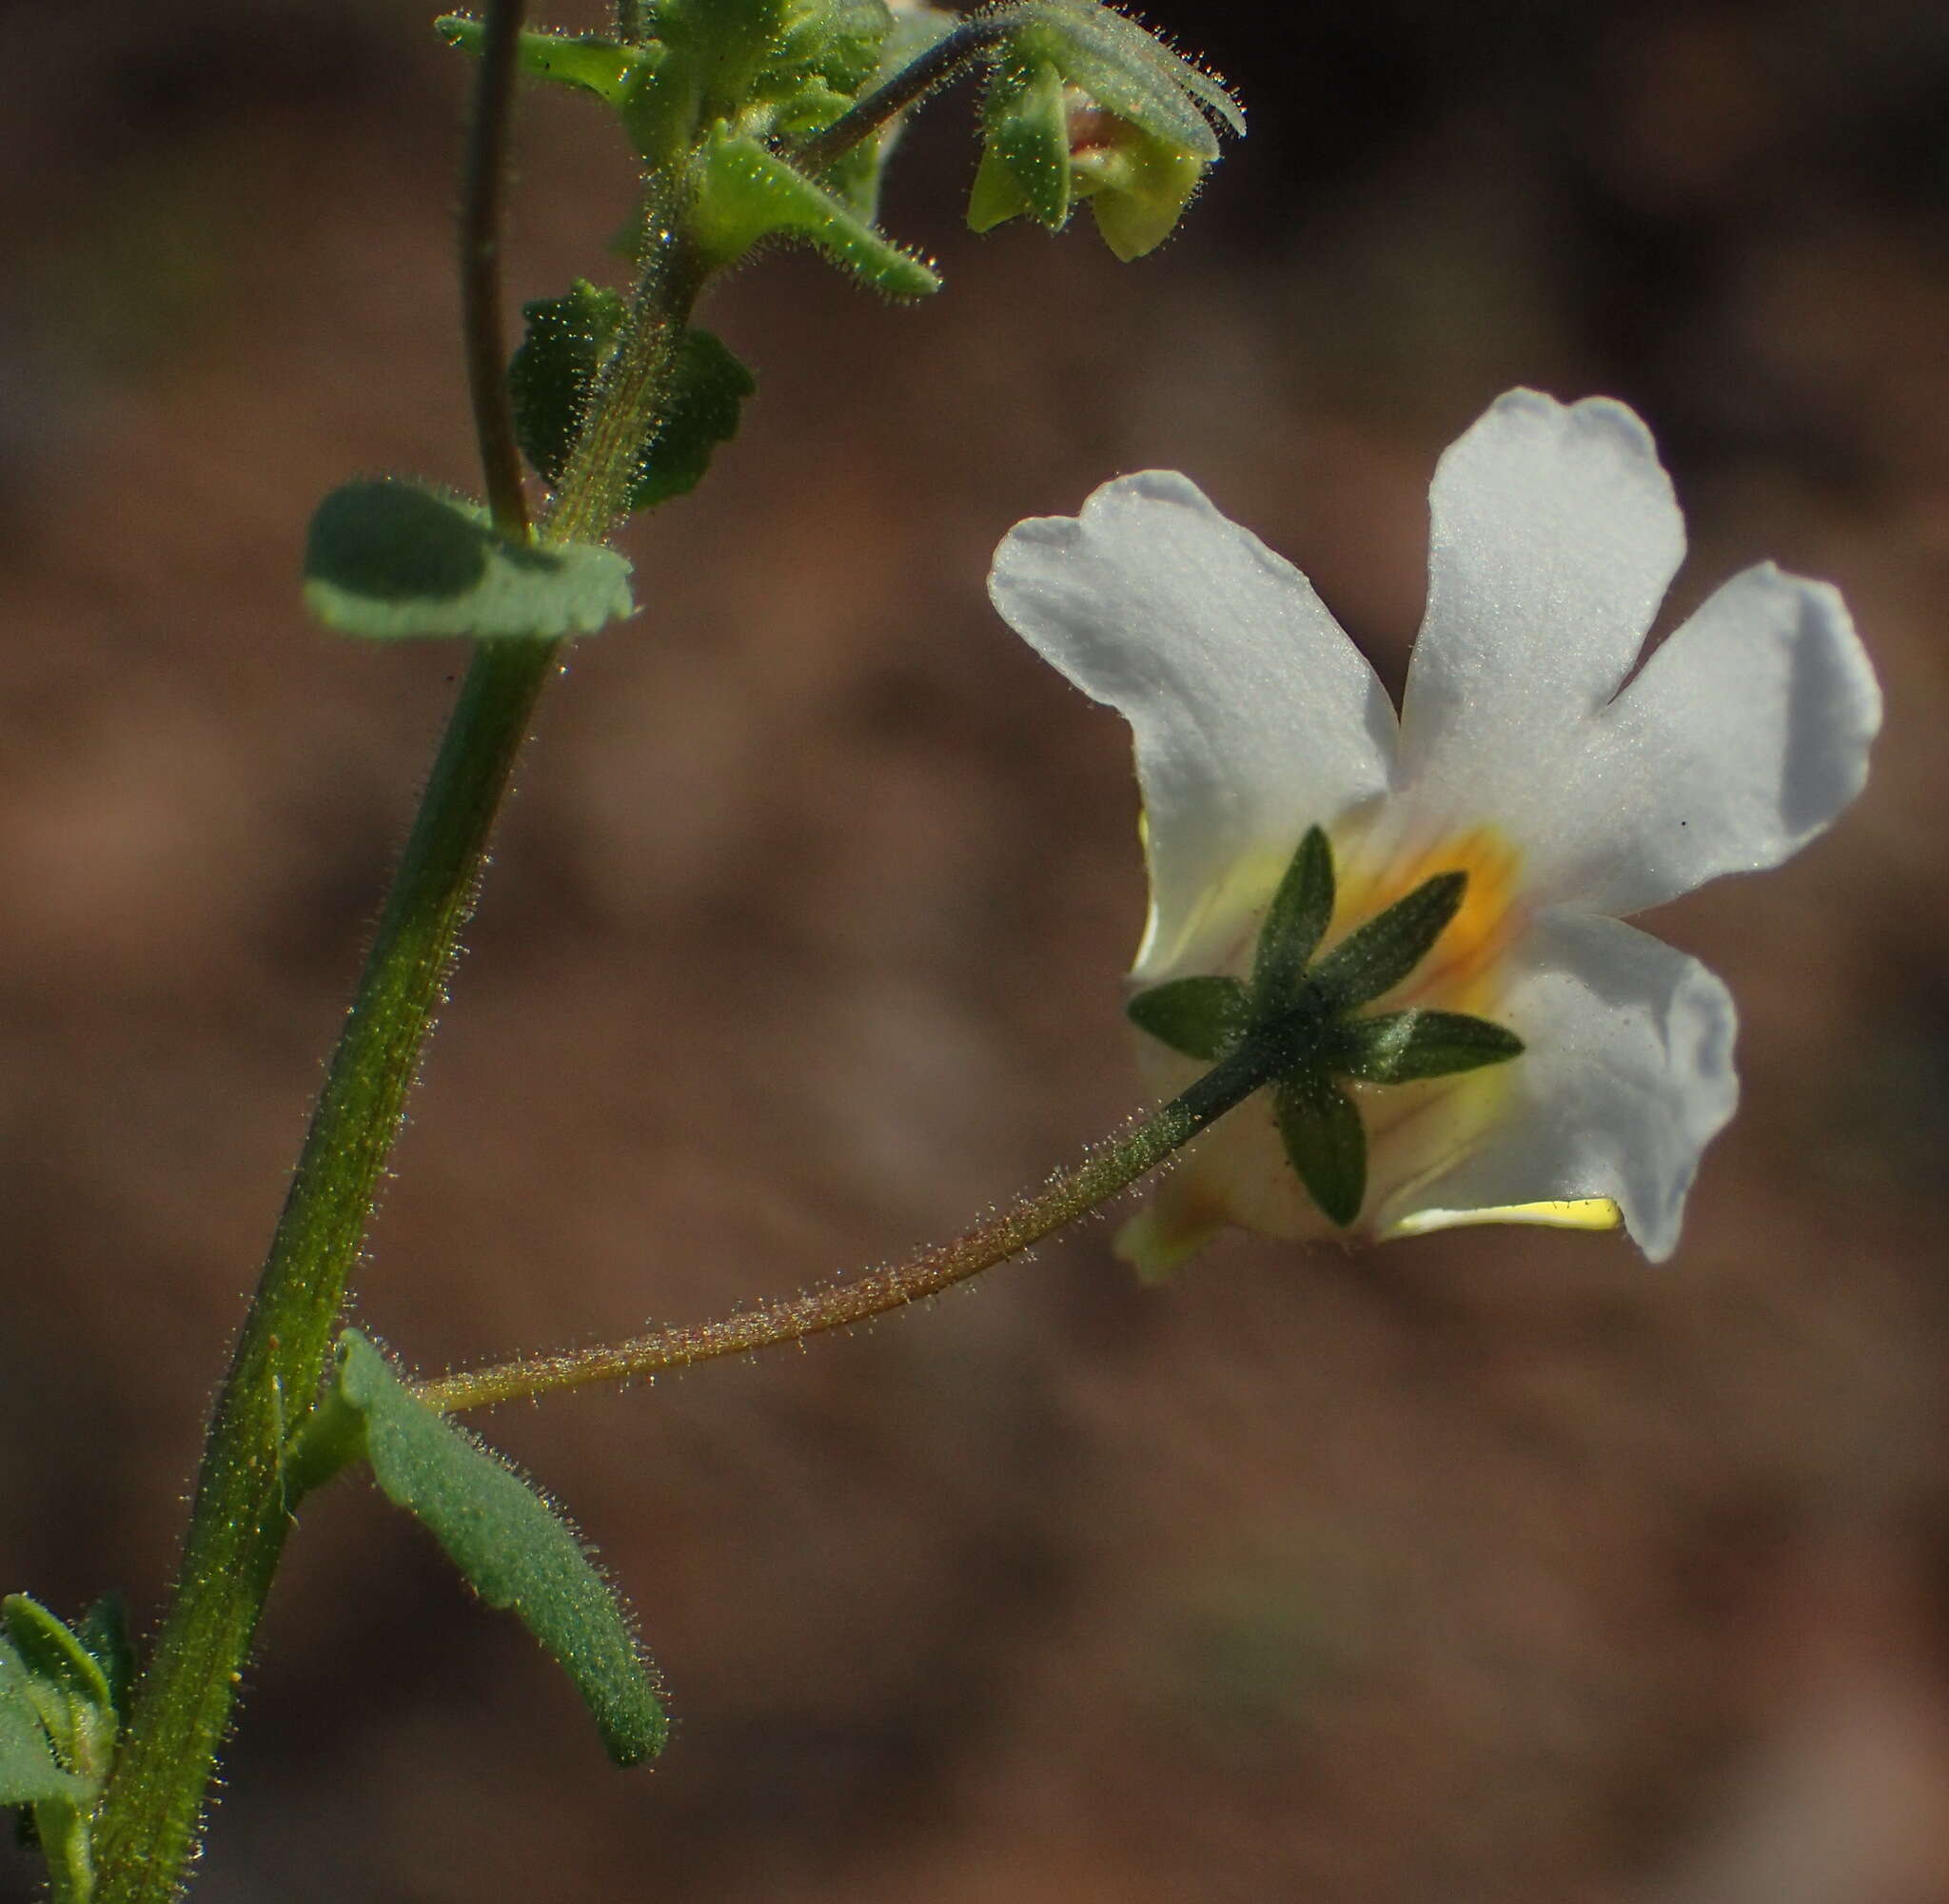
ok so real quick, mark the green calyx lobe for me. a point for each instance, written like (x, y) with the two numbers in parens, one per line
(1293, 1019)
(63, 1691)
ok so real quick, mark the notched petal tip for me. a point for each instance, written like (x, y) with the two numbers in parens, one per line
(1745, 735)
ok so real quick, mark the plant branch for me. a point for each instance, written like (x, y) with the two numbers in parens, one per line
(634, 385)
(1105, 1170)
(483, 217)
(935, 68)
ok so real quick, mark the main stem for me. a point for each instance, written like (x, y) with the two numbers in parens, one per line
(148, 1828)
(1109, 1168)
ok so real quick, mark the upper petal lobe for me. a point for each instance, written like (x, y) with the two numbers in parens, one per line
(1254, 716)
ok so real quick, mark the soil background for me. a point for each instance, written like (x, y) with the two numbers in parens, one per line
(1486, 1569)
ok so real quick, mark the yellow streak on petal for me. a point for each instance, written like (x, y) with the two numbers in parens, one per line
(1578, 1213)
(1459, 973)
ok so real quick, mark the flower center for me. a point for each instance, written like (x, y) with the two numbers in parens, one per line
(1462, 973)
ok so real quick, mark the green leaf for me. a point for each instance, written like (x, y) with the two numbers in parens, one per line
(746, 194)
(1386, 949)
(1400, 1047)
(1201, 1017)
(706, 407)
(838, 43)
(30, 1774)
(1296, 921)
(1027, 128)
(550, 373)
(587, 60)
(553, 371)
(392, 560)
(512, 1547)
(1325, 1143)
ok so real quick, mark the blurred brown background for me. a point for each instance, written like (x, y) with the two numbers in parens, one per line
(1492, 1568)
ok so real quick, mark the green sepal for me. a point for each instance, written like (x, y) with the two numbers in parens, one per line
(1296, 921)
(104, 1630)
(551, 375)
(1138, 187)
(1325, 1143)
(1402, 1047)
(589, 62)
(1378, 957)
(1202, 1017)
(745, 193)
(996, 194)
(1125, 70)
(66, 1684)
(395, 561)
(511, 1546)
(30, 1772)
(1026, 128)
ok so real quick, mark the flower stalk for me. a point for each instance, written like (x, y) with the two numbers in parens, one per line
(911, 84)
(1107, 1169)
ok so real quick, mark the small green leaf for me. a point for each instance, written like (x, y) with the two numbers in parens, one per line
(1201, 1017)
(745, 193)
(1400, 1047)
(839, 43)
(1296, 921)
(1027, 128)
(587, 60)
(392, 560)
(551, 375)
(30, 1774)
(512, 1547)
(1388, 947)
(706, 407)
(1325, 1143)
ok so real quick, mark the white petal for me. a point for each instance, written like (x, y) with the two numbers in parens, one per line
(1627, 1074)
(1745, 734)
(1553, 535)
(1254, 716)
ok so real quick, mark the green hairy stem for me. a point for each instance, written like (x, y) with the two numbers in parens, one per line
(150, 1820)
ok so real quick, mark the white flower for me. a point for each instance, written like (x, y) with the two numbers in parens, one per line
(1516, 757)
